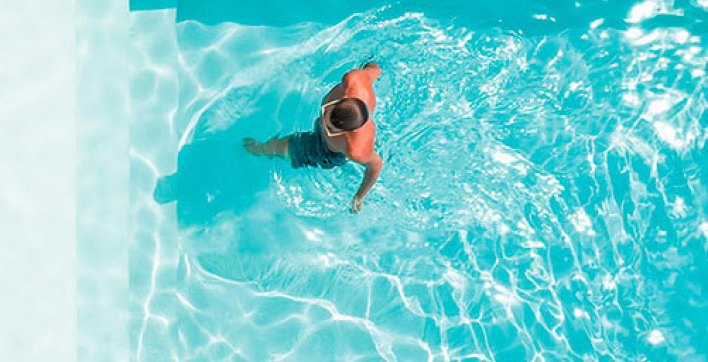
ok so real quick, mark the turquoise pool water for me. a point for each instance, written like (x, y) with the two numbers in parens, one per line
(544, 193)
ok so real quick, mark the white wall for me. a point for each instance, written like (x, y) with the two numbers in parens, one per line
(37, 181)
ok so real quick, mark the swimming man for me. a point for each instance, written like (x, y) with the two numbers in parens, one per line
(345, 131)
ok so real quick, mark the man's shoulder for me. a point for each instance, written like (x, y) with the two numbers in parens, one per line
(361, 145)
(356, 76)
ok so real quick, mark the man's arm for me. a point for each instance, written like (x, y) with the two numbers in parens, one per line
(373, 169)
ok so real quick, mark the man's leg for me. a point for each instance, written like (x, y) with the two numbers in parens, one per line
(277, 147)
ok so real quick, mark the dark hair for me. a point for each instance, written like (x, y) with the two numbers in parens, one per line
(349, 114)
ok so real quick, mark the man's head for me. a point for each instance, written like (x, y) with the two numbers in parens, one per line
(346, 114)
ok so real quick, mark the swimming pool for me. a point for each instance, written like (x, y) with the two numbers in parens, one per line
(543, 198)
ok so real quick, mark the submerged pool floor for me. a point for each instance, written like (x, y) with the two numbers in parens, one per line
(543, 197)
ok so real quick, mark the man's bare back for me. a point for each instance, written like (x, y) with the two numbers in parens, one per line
(356, 144)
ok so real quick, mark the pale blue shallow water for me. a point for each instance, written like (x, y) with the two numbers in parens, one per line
(544, 193)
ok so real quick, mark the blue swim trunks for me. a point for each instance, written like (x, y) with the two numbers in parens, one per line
(310, 149)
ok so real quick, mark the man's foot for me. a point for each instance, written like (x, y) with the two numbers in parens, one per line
(274, 147)
(254, 147)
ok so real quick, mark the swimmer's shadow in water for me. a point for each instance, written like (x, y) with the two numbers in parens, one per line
(213, 175)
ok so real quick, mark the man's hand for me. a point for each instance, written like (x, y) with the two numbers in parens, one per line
(357, 204)
(373, 70)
